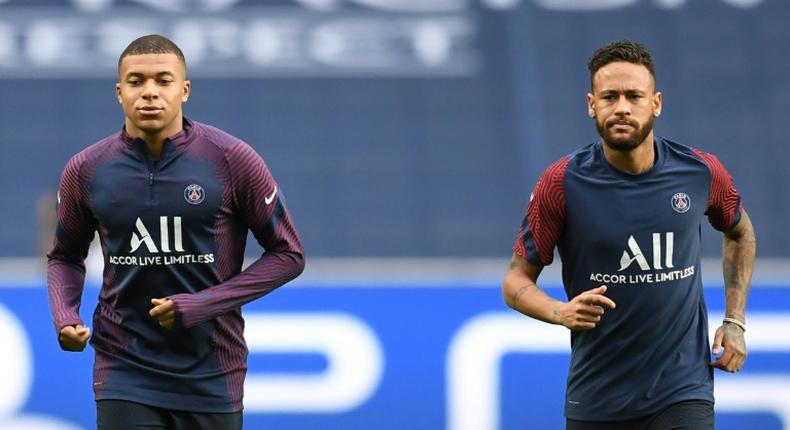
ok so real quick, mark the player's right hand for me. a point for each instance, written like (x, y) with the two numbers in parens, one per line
(584, 311)
(74, 337)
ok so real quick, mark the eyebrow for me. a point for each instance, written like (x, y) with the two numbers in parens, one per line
(141, 75)
(628, 91)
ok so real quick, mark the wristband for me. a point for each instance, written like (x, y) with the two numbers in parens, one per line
(737, 322)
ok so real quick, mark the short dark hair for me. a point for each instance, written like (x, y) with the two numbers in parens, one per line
(152, 44)
(620, 50)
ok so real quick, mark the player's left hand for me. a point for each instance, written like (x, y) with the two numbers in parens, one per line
(729, 336)
(164, 311)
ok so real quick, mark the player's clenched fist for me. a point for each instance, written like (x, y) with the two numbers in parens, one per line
(163, 311)
(585, 310)
(74, 337)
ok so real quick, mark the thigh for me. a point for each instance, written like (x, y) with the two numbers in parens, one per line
(688, 415)
(182, 420)
(125, 415)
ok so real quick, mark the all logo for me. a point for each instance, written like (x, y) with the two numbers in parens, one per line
(194, 194)
(637, 255)
(142, 237)
(681, 202)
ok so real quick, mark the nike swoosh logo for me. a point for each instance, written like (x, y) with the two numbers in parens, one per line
(269, 199)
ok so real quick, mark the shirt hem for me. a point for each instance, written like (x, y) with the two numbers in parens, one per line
(623, 416)
(165, 401)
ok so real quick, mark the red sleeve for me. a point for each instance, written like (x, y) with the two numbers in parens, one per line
(724, 202)
(65, 262)
(545, 217)
(260, 202)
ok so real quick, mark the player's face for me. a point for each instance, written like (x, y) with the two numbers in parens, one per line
(151, 89)
(623, 104)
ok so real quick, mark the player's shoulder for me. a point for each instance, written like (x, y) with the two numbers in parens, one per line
(579, 159)
(93, 154)
(584, 156)
(555, 173)
(680, 153)
(215, 136)
(676, 149)
(236, 154)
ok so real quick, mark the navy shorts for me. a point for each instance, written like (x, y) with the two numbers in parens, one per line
(688, 415)
(126, 415)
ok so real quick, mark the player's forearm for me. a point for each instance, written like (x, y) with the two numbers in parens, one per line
(525, 296)
(738, 263)
(263, 276)
(65, 281)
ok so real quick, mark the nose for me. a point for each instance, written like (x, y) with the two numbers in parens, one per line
(149, 90)
(623, 106)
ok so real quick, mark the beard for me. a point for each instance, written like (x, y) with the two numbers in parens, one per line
(624, 143)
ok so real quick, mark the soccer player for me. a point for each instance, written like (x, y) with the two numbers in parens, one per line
(625, 214)
(172, 200)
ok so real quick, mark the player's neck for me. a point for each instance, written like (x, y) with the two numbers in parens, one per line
(155, 141)
(154, 147)
(634, 162)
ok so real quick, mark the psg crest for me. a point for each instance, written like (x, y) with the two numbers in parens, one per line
(681, 202)
(194, 194)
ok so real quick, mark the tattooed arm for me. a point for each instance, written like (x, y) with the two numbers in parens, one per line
(738, 261)
(522, 293)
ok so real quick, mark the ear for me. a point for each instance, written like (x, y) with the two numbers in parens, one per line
(658, 103)
(590, 105)
(187, 90)
(118, 92)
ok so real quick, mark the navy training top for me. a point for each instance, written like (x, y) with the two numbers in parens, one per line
(639, 235)
(173, 228)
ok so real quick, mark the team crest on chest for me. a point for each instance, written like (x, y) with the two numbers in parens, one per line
(194, 194)
(681, 202)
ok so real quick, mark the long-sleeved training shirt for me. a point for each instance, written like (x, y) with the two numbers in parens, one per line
(172, 228)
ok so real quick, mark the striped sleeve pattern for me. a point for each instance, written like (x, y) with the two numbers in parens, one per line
(724, 202)
(65, 261)
(545, 217)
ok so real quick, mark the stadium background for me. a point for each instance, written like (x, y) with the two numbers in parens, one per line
(407, 136)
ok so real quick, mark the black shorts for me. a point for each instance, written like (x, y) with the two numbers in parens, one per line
(688, 415)
(126, 415)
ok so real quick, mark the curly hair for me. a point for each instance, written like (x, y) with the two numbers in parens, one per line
(621, 50)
